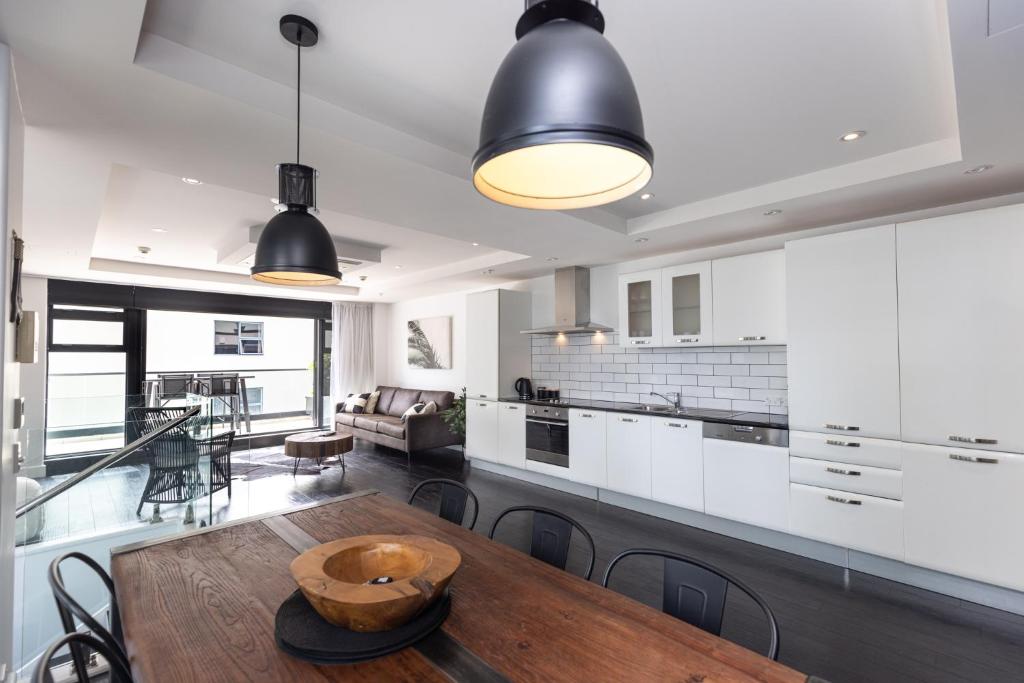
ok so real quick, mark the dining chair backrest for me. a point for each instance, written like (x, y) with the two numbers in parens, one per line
(550, 535)
(695, 592)
(79, 642)
(454, 498)
(68, 608)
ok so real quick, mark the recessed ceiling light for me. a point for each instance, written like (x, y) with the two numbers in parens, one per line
(158, 230)
(476, 244)
(192, 181)
(551, 258)
(773, 212)
(488, 271)
(398, 267)
(647, 195)
(979, 169)
(640, 240)
(853, 135)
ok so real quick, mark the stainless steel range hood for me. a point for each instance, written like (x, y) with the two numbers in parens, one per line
(572, 304)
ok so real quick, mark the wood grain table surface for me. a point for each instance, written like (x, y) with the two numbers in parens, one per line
(201, 606)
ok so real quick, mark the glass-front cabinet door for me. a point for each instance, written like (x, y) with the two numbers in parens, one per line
(640, 308)
(686, 305)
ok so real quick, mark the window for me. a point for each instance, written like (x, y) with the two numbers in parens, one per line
(234, 338)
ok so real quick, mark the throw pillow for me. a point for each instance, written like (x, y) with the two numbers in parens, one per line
(414, 409)
(431, 407)
(356, 403)
(371, 402)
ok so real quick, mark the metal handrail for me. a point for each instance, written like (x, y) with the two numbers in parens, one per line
(106, 462)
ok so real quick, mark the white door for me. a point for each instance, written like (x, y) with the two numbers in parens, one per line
(640, 308)
(482, 430)
(482, 345)
(686, 305)
(677, 463)
(629, 454)
(587, 447)
(843, 348)
(748, 296)
(961, 305)
(512, 434)
(964, 513)
(747, 483)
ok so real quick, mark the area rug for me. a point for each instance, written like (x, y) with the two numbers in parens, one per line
(270, 462)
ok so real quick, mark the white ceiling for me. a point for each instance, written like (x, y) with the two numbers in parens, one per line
(744, 102)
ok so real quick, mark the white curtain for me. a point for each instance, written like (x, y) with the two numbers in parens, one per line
(351, 350)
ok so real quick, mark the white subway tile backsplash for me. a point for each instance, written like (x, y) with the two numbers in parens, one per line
(725, 377)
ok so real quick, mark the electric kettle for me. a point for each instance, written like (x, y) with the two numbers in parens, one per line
(524, 388)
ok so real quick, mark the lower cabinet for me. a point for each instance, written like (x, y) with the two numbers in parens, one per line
(512, 434)
(747, 483)
(852, 520)
(588, 447)
(482, 430)
(677, 464)
(629, 454)
(964, 512)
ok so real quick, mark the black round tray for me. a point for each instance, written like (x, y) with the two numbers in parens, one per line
(304, 634)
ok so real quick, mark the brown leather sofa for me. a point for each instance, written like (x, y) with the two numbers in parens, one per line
(385, 427)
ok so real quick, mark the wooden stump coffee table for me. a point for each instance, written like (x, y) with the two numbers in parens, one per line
(318, 446)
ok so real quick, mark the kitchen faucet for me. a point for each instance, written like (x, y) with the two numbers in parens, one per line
(677, 401)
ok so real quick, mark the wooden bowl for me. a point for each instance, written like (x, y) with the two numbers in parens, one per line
(374, 583)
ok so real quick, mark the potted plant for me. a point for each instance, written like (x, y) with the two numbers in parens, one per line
(455, 417)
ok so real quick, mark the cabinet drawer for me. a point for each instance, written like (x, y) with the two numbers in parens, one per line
(871, 481)
(846, 448)
(872, 525)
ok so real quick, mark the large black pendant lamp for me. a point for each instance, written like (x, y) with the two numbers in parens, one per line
(562, 128)
(295, 247)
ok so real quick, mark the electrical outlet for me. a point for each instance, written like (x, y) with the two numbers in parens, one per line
(776, 401)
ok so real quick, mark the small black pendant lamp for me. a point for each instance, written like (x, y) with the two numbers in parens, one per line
(295, 247)
(562, 127)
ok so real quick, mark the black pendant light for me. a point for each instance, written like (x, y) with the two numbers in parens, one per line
(562, 128)
(295, 247)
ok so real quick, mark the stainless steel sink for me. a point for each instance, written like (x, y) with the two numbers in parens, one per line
(650, 408)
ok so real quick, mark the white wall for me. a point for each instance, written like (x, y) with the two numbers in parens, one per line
(396, 346)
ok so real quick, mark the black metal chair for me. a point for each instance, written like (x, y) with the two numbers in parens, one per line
(68, 609)
(175, 386)
(550, 534)
(79, 642)
(695, 591)
(454, 496)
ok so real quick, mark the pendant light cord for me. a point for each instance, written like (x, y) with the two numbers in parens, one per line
(298, 97)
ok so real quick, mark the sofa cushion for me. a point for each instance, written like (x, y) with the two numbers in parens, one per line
(403, 400)
(368, 422)
(356, 403)
(345, 419)
(443, 399)
(391, 426)
(384, 401)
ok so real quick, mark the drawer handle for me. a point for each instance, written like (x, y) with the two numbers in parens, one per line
(639, 341)
(482, 405)
(676, 424)
(687, 340)
(743, 428)
(483, 395)
(974, 458)
(753, 338)
(844, 501)
(842, 428)
(512, 407)
(588, 415)
(848, 444)
(628, 419)
(836, 470)
(972, 439)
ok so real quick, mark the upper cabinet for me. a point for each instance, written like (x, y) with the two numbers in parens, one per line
(496, 351)
(961, 321)
(686, 305)
(749, 299)
(640, 308)
(843, 350)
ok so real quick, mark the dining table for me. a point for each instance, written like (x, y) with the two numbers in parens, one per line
(201, 605)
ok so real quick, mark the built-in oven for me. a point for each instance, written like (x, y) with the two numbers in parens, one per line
(547, 435)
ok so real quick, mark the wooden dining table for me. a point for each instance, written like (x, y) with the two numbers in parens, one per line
(200, 606)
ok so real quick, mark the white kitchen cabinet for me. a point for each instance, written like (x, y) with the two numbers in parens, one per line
(640, 309)
(677, 464)
(866, 523)
(588, 447)
(964, 512)
(629, 454)
(748, 295)
(961, 302)
(496, 352)
(482, 430)
(686, 305)
(843, 347)
(512, 434)
(747, 483)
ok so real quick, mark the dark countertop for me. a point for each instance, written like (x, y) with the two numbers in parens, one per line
(731, 417)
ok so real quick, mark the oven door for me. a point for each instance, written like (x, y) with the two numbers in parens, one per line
(547, 441)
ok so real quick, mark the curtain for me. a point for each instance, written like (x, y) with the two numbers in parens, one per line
(351, 350)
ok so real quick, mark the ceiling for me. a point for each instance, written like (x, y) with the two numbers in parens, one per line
(744, 103)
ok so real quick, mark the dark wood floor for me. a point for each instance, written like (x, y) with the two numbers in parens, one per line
(837, 624)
